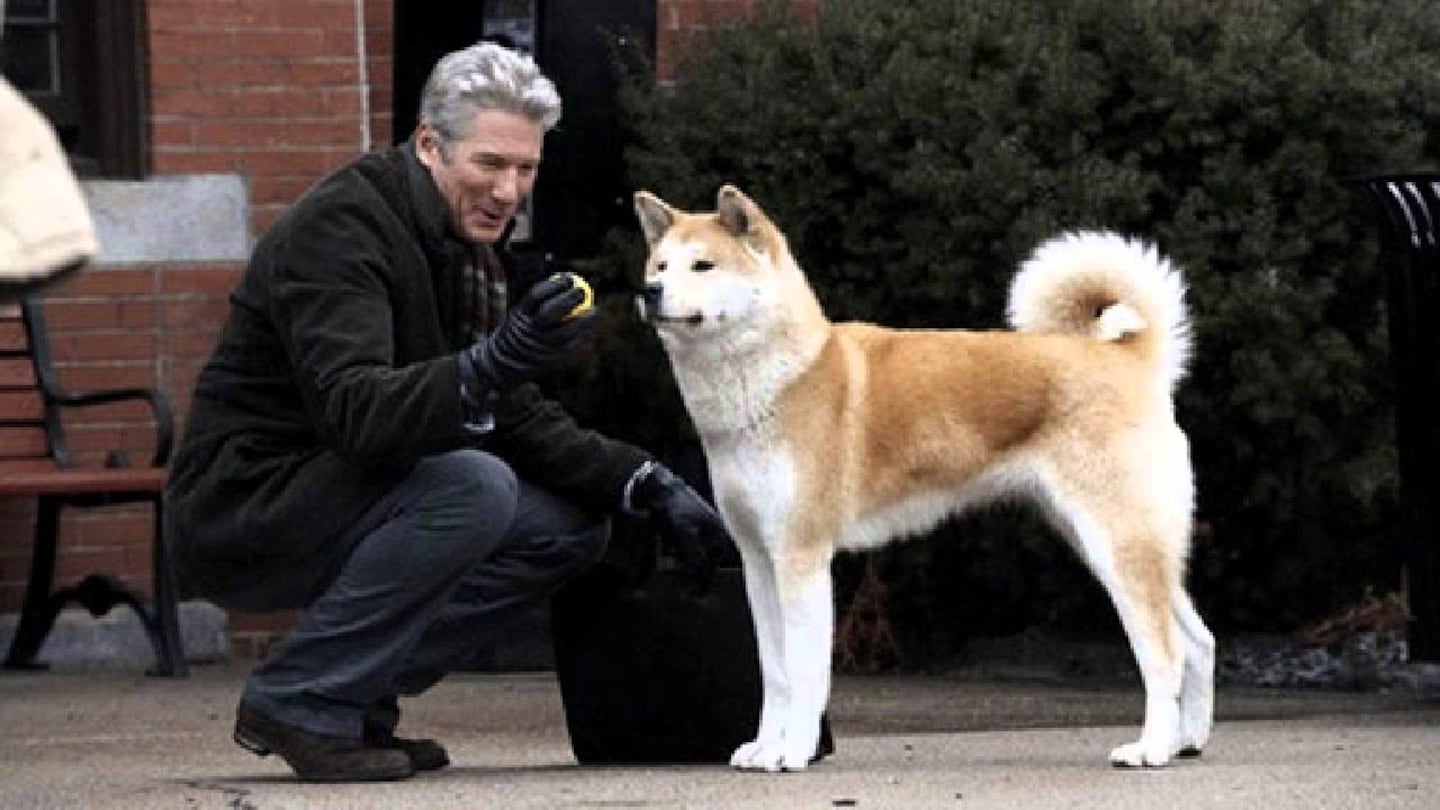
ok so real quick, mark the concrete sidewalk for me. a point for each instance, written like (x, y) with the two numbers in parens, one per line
(115, 739)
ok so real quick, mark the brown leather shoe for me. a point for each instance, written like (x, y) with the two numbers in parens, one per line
(424, 754)
(318, 757)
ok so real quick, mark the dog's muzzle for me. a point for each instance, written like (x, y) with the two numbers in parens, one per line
(647, 303)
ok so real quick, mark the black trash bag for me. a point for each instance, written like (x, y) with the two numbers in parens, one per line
(650, 671)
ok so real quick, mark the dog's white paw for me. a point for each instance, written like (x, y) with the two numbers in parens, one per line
(746, 754)
(1140, 755)
(775, 756)
(1191, 744)
(1193, 736)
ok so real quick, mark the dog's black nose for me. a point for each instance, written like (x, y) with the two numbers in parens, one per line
(648, 301)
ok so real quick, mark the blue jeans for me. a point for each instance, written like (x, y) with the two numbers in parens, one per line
(448, 558)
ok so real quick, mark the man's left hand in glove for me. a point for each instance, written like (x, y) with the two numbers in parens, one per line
(692, 525)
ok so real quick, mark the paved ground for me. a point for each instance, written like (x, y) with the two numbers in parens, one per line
(115, 739)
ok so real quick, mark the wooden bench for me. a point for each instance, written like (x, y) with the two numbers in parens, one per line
(36, 463)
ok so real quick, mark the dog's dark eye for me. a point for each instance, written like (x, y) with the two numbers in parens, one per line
(660, 267)
(701, 266)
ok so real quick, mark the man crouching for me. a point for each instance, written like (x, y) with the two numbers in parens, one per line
(366, 443)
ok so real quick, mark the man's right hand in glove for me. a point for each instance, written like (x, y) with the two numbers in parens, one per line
(537, 330)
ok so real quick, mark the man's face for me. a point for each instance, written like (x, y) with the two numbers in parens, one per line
(488, 174)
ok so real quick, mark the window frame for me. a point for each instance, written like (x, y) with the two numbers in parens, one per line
(100, 111)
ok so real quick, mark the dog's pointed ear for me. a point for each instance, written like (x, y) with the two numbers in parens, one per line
(738, 213)
(655, 216)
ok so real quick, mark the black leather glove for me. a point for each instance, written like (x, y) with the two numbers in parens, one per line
(535, 331)
(692, 525)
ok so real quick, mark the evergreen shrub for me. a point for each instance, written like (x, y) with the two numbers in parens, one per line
(915, 152)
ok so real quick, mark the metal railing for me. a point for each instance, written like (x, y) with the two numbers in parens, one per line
(1407, 210)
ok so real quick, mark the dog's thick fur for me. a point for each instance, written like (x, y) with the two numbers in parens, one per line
(825, 435)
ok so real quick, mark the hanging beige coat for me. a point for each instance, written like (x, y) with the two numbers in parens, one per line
(45, 226)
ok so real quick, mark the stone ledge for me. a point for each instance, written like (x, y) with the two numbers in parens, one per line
(118, 639)
(176, 218)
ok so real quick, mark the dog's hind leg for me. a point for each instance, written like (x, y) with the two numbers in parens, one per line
(1142, 589)
(1141, 579)
(1197, 692)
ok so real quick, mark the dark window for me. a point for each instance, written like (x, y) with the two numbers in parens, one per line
(82, 63)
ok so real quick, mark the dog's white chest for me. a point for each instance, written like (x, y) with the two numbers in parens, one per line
(754, 483)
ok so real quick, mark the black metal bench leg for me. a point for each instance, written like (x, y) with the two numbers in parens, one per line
(98, 594)
(38, 614)
(169, 650)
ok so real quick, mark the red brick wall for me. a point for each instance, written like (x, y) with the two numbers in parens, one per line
(380, 62)
(678, 20)
(272, 89)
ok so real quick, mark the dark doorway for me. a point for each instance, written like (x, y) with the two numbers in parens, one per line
(424, 32)
(581, 192)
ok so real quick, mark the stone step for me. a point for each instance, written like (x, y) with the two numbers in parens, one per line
(117, 639)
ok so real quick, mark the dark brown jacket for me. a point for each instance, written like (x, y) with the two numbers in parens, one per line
(337, 370)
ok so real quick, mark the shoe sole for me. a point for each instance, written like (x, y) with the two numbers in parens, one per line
(255, 747)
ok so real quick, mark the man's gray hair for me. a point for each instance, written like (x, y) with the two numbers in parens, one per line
(486, 76)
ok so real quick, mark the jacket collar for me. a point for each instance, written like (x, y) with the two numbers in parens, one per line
(431, 215)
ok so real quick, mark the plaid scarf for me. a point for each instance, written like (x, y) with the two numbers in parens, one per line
(484, 287)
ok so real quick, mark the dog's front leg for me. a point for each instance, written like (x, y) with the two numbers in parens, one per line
(794, 623)
(808, 612)
(763, 592)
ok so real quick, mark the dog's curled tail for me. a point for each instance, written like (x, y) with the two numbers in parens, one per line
(1109, 287)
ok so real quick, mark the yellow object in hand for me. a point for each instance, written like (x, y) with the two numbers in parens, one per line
(587, 303)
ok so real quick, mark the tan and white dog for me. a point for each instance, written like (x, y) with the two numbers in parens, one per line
(824, 436)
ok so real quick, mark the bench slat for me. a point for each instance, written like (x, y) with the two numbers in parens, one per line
(23, 441)
(22, 405)
(21, 479)
(12, 336)
(17, 372)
